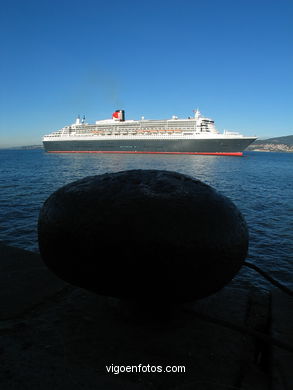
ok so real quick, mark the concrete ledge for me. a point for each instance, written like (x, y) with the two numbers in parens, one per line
(52, 340)
(282, 330)
(25, 281)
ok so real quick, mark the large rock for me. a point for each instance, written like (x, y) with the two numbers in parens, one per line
(143, 234)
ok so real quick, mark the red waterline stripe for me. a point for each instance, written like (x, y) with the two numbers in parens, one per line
(128, 152)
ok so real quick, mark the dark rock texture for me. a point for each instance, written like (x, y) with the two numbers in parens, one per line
(143, 234)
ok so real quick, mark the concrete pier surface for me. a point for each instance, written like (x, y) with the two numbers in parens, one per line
(57, 336)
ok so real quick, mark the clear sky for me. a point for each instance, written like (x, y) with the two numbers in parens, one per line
(61, 58)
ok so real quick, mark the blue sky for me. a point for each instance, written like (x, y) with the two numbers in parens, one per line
(61, 58)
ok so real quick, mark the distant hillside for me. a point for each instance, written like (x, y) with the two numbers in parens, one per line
(276, 144)
(288, 140)
(32, 147)
(26, 147)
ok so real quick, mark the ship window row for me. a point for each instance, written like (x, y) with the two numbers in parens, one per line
(135, 126)
(90, 134)
(131, 130)
(113, 134)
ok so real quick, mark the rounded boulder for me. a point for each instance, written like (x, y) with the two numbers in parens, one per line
(143, 234)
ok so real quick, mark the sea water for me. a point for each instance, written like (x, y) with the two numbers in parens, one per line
(260, 184)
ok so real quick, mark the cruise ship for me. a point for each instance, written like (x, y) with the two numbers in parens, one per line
(192, 135)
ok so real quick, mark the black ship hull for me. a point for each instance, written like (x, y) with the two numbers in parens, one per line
(224, 146)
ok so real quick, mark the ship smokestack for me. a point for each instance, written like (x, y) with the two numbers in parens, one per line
(119, 115)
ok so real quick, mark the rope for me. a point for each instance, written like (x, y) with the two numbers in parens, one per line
(269, 278)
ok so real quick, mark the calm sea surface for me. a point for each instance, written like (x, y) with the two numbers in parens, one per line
(260, 184)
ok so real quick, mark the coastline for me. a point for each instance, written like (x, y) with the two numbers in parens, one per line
(279, 148)
(278, 144)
